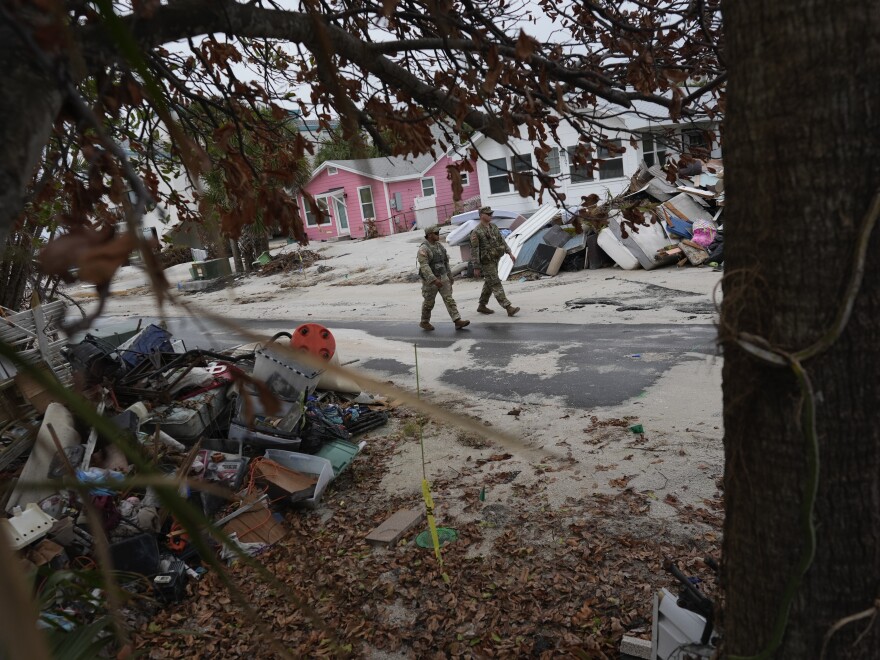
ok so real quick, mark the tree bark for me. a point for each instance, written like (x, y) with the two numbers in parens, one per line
(17, 266)
(236, 256)
(28, 106)
(802, 164)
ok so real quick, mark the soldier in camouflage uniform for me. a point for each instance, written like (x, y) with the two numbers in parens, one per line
(487, 247)
(434, 271)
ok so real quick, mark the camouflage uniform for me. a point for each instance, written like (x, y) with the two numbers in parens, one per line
(487, 247)
(434, 264)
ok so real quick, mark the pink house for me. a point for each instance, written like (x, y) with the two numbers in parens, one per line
(394, 192)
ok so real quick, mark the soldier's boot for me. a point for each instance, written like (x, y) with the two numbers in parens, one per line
(511, 310)
(425, 325)
(461, 323)
(482, 309)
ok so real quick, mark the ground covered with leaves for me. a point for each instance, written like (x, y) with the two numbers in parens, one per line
(528, 578)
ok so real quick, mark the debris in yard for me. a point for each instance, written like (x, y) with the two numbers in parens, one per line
(220, 424)
(288, 261)
(394, 527)
(444, 535)
(492, 458)
(655, 223)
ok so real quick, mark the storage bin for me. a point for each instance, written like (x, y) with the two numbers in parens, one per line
(307, 464)
(187, 421)
(340, 453)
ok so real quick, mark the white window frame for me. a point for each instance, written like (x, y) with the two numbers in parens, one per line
(433, 187)
(502, 172)
(522, 163)
(658, 151)
(605, 158)
(371, 203)
(696, 136)
(578, 173)
(331, 170)
(312, 221)
(465, 178)
(553, 163)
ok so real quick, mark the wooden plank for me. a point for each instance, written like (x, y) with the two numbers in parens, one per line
(696, 255)
(391, 531)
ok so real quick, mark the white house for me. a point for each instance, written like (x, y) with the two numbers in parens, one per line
(654, 137)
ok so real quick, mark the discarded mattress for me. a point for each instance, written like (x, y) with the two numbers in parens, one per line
(501, 219)
(461, 233)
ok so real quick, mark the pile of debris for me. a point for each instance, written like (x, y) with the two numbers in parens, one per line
(241, 433)
(288, 262)
(658, 222)
(655, 222)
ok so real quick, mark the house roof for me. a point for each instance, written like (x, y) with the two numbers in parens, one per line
(386, 168)
(394, 168)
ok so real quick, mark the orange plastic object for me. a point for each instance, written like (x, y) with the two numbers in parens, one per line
(177, 538)
(315, 339)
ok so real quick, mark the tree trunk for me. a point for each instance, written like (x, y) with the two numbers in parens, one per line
(28, 106)
(236, 256)
(17, 266)
(802, 164)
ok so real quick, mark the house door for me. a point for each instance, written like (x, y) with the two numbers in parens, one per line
(341, 214)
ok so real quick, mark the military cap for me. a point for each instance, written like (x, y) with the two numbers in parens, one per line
(433, 229)
(487, 210)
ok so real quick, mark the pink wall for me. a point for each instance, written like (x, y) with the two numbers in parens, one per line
(403, 218)
(349, 182)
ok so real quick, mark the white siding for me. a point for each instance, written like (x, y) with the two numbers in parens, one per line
(628, 125)
(490, 150)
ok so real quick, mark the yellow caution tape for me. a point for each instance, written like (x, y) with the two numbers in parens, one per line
(432, 524)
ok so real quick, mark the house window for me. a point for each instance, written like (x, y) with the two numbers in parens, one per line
(428, 187)
(311, 220)
(498, 182)
(553, 162)
(365, 195)
(465, 178)
(579, 172)
(610, 164)
(331, 170)
(653, 151)
(694, 142)
(522, 163)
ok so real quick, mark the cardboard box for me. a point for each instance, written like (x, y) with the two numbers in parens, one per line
(256, 526)
(284, 482)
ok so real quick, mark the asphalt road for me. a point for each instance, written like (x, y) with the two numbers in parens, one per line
(584, 365)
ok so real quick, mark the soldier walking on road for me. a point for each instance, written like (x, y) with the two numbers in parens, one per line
(487, 247)
(434, 271)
